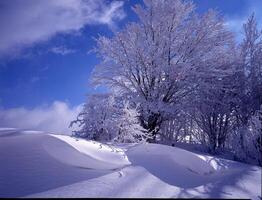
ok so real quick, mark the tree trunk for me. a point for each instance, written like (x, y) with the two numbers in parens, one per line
(153, 125)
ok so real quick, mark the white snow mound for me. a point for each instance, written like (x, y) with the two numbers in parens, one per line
(91, 154)
(175, 157)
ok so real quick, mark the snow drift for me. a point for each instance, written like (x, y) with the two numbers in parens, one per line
(34, 164)
(91, 154)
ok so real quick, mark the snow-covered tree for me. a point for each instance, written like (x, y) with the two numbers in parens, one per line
(213, 103)
(129, 126)
(230, 100)
(97, 119)
(157, 61)
(245, 140)
(178, 75)
(247, 146)
(108, 118)
(251, 69)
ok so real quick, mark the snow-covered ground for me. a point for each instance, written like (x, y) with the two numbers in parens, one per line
(36, 164)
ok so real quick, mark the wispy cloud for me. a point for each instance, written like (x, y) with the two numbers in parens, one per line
(62, 50)
(35, 79)
(54, 118)
(24, 23)
(109, 16)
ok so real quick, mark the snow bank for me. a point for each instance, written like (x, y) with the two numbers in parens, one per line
(93, 154)
(7, 132)
(163, 171)
(27, 168)
(175, 156)
(130, 182)
(47, 165)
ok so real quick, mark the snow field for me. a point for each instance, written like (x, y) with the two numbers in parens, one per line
(34, 164)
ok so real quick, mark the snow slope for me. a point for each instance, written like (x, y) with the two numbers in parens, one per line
(26, 167)
(100, 156)
(44, 165)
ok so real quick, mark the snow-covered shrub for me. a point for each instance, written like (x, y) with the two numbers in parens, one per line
(246, 141)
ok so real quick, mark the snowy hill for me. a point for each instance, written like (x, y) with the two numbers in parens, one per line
(34, 164)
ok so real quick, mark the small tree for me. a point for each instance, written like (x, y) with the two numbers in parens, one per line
(129, 126)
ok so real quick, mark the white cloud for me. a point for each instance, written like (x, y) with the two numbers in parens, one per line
(110, 14)
(61, 50)
(24, 23)
(54, 118)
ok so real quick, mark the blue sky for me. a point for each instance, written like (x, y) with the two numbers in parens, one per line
(44, 55)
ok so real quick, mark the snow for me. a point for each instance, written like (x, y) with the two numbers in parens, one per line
(13, 131)
(47, 165)
(7, 129)
(172, 156)
(30, 132)
(100, 156)
(26, 167)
